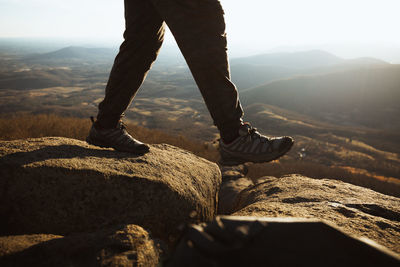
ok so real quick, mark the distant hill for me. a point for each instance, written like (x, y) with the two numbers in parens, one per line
(256, 70)
(363, 61)
(36, 79)
(247, 75)
(295, 60)
(365, 97)
(75, 53)
(68, 66)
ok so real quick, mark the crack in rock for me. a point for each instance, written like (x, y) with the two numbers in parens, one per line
(376, 210)
(299, 200)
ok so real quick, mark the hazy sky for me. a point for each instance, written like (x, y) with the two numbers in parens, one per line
(253, 24)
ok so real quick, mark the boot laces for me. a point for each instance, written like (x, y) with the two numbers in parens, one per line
(252, 134)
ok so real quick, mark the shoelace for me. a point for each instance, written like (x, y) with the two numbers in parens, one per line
(128, 138)
(253, 134)
(121, 125)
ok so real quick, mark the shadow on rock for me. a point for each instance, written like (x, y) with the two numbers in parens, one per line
(128, 245)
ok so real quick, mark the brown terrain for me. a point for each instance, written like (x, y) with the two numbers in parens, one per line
(343, 114)
(78, 205)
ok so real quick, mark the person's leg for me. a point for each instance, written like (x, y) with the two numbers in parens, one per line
(143, 36)
(199, 29)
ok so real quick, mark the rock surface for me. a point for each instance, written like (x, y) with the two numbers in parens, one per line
(61, 186)
(13, 244)
(128, 245)
(356, 210)
(234, 182)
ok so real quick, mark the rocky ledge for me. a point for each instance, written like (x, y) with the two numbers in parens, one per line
(356, 210)
(66, 203)
(62, 186)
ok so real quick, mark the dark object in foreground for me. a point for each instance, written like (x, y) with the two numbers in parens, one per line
(251, 241)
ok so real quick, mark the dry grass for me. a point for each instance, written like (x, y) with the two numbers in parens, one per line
(30, 126)
(22, 126)
(385, 185)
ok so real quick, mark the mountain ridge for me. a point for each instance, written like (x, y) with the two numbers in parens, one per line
(259, 69)
(75, 53)
(363, 92)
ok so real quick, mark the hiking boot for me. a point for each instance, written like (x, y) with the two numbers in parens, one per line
(251, 146)
(117, 138)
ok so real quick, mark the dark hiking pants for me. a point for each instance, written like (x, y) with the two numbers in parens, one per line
(199, 29)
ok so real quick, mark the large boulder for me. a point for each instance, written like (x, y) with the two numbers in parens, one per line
(128, 245)
(358, 211)
(61, 186)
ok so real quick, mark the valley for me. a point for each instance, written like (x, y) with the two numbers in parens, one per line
(342, 113)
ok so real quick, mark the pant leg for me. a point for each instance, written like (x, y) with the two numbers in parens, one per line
(199, 29)
(143, 36)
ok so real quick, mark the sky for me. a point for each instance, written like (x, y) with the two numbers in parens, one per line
(252, 25)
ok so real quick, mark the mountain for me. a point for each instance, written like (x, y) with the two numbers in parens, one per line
(365, 96)
(248, 72)
(247, 75)
(37, 78)
(295, 60)
(69, 66)
(75, 53)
